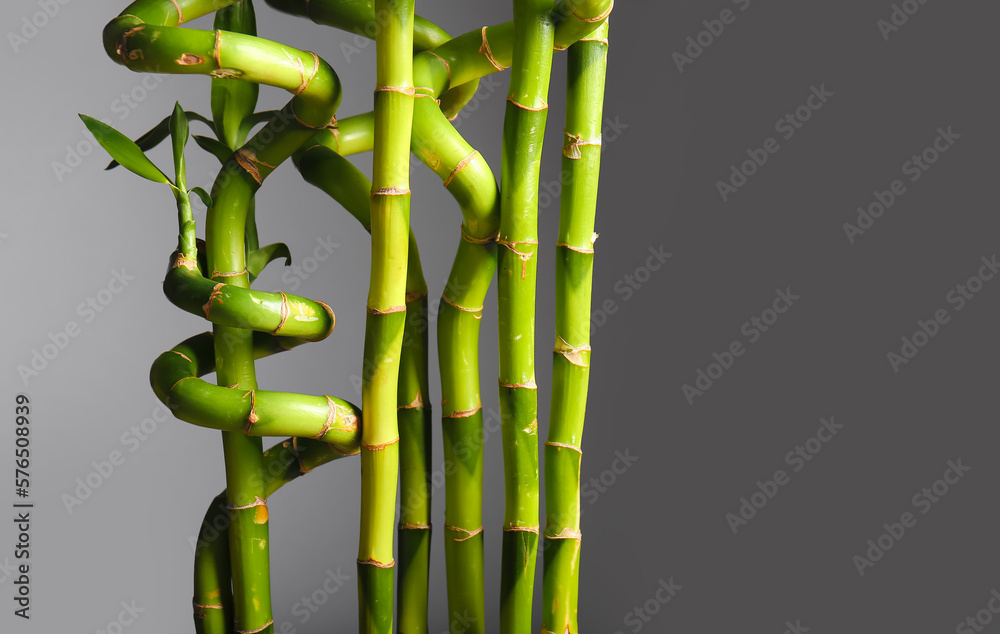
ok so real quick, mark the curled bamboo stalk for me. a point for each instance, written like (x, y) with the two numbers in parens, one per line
(390, 216)
(146, 38)
(581, 161)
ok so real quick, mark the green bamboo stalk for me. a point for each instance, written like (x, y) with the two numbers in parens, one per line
(523, 131)
(587, 64)
(320, 165)
(175, 374)
(468, 178)
(390, 211)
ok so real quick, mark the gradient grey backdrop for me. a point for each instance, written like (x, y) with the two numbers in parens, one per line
(670, 137)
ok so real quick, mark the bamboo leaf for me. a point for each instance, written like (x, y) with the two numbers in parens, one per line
(160, 131)
(124, 150)
(215, 147)
(263, 256)
(179, 133)
(204, 195)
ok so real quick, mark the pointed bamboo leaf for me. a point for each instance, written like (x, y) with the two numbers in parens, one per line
(204, 195)
(179, 132)
(124, 150)
(160, 131)
(263, 256)
(217, 148)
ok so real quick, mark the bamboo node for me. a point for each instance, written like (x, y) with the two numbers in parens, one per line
(217, 273)
(226, 73)
(602, 40)
(333, 319)
(464, 413)
(207, 606)
(181, 261)
(566, 533)
(571, 149)
(302, 73)
(257, 501)
(468, 534)
(510, 528)
(381, 446)
(424, 91)
(520, 105)
(409, 91)
(562, 445)
(391, 191)
(529, 385)
(256, 631)
(217, 49)
(511, 244)
(450, 302)
(484, 48)
(216, 294)
(416, 403)
(377, 563)
(302, 122)
(342, 452)
(180, 14)
(573, 354)
(285, 312)
(331, 417)
(387, 311)
(447, 66)
(598, 18)
(412, 526)
(461, 165)
(490, 239)
(584, 250)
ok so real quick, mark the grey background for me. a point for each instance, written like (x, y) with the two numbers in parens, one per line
(664, 518)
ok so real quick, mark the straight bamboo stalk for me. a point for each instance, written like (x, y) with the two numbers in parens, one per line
(523, 132)
(390, 211)
(587, 65)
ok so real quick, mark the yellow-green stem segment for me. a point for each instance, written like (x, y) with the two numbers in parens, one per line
(390, 216)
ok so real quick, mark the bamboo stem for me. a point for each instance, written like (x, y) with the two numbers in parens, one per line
(581, 162)
(386, 318)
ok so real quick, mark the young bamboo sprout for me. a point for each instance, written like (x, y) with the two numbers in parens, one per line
(571, 364)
